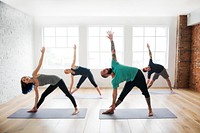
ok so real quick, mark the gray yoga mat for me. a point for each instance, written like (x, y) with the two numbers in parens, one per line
(159, 113)
(49, 114)
(82, 96)
(162, 92)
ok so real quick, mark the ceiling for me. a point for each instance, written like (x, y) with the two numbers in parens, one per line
(105, 7)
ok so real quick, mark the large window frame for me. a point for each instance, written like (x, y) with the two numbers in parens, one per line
(99, 47)
(158, 39)
(59, 42)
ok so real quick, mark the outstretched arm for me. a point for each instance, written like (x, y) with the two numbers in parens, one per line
(35, 72)
(74, 59)
(36, 96)
(110, 36)
(112, 107)
(114, 97)
(71, 84)
(34, 109)
(150, 54)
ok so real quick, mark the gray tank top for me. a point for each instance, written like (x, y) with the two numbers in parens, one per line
(48, 79)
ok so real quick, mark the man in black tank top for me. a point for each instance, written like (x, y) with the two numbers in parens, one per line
(158, 70)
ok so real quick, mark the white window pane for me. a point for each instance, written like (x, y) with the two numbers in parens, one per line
(151, 42)
(59, 58)
(61, 31)
(119, 44)
(138, 31)
(161, 31)
(93, 61)
(146, 59)
(93, 31)
(72, 41)
(93, 44)
(161, 43)
(120, 57)
(118, 31)
(49, 42)
(50, 31)
(61, 41)
(105, 44)
(73, 31)
(98, 43)
(137, 60)
(138, 44)
(150, 31)
(160, 58)
(104, 30)
(105, 60)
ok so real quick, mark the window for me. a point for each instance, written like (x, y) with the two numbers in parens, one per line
(59, 43)
(99, 47)
(157, 37)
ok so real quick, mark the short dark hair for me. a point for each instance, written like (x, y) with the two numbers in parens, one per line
(104, 76)
(144, 70)
(26, 87)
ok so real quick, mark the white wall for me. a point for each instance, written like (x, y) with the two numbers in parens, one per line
(127, 22)
(16, 56)
(193, 18)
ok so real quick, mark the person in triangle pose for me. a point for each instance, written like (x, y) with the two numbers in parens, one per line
(158, 70)
(28, 83)
(79, 70)
(120, 73)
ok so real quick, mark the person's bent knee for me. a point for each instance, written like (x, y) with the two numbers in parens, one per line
(146, 95)
(77, 87)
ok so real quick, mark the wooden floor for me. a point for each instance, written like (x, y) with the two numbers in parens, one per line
(185, 105)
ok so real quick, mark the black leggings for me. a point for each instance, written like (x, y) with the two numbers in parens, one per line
(139, 82)
(51, 88)
(82, 79)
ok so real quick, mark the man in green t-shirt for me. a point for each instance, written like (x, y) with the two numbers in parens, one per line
(120, 73)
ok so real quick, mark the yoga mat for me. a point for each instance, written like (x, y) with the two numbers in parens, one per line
(161, 92)
(82, 96)
(49, 114)
(153, 92)
(159, 113)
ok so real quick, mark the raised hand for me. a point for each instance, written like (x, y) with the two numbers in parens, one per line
(148, 46)
(74, 46)
(42, 50)
(110, 35)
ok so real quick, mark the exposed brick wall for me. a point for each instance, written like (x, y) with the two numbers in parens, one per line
(16, 56)
(183, 54)
(195, 59)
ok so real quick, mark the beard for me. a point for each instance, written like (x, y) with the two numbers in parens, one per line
(109, 70)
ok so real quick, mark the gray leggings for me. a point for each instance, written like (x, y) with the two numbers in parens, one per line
(139, 82)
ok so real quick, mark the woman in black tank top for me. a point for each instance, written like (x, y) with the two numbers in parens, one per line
(84, 72)
(27, 83)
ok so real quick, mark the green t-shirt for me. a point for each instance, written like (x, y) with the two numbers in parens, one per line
(122, 73)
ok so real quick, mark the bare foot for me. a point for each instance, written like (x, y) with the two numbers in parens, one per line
(75, 112)
(172, 92)
(100, 97)
(32, 110)
(109, 111)
(150, 114)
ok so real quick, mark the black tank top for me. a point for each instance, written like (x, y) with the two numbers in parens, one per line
(81, 71)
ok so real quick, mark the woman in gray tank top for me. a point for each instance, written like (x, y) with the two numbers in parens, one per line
(27, 83)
